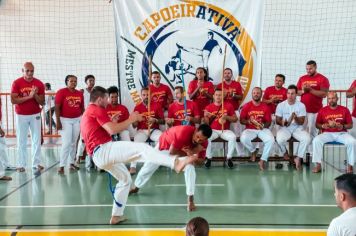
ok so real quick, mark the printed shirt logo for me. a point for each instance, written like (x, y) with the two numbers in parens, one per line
(73, 101)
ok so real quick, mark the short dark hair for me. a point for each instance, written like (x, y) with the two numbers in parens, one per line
(197, 226)
(206, 130)
(144, 88)
(281, 76)
(48, 85)
(113, 89)
(67, 78)
(257, 88)
(218, 90)
(347, 183)
(292, 86)
(311, 62)
(155, 73)
(88, 77)
(97, 92)
(227, 68)
(181, 89)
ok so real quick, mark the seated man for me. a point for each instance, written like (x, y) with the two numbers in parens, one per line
(219, 118)
(182, 141)
(180, 113)
(149, 126)
(334, 120)
(256, 116)
(290, 116)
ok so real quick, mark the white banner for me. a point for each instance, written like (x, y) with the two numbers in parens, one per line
(196, 31)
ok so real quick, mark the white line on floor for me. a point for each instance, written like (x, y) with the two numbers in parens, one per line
(183, 185)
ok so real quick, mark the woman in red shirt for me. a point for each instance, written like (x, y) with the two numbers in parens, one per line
(69, 107)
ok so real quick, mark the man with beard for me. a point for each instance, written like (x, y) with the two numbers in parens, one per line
(334, 120)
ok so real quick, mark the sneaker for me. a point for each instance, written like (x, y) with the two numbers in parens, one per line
(230, 164)
(207, 163)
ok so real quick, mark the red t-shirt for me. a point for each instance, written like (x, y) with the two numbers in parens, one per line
(160, 94)
(156, 112)
(353, 85)
(176, 111)
(261, 113)
(341, 115)
(313, 103)
(272, 92)
(217, 111)
(71, 103)
(200, 99)
(119, 110)
(23, 88)
(180, 137)
(233, 88)
(91, 128)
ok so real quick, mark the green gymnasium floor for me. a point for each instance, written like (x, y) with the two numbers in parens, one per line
(244, 200)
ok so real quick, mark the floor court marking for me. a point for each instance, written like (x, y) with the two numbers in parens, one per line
(184, 185)
(171, 205)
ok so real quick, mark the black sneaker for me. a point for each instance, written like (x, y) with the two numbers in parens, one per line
(207, 163)
(230, 164)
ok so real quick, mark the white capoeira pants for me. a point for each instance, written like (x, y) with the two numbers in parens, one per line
(3, 157)
(284, 134)
(24, 122)
(309, 126)
(141, 137)
(341, 137)
(70, 133)
(265, 135)
(112, 157)
(353, 130)
(149, 168)
(226, 135)
(237, 128)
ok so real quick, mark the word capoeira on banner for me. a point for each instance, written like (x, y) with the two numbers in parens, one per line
(180, 36)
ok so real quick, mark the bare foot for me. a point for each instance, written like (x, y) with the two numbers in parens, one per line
(261, 164)
(317, 168)
(117, 220)
(73, 167)
(6, 178)
(61, 170)
(286, 157)
(40, 168)
(132, 170)
(133, 190)
(253, 156)
(191, 206)
(349, 169)
(298, 164)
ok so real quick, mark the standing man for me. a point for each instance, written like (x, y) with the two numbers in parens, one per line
(27, 94)
(3, 156)
(97, 129)
(256, 116)
(182, 141)
(117, 113)
(334, 120)
(90, 82)
(69, 109)
(49, 109)
(345, 197)
(351, 93)
(312, 88)
(219, 119)
(177, 114)
(290, 116)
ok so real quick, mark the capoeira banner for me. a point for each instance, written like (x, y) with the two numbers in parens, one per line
(182, 35)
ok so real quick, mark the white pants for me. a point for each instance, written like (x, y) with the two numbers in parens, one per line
(226, 135)
(353, 130)
(237, 128)
(276, 150)
(265, 135)
(3, 157)
(125, 135)
(81, 147)
(70, 133)
(24, 122)
(341, 137)
(141, 137)
(309, 126)
(149, 168)
(284, 134)
(112, 157)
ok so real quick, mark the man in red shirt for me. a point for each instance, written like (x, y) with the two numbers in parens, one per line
(27, 94)
(182, 141)
(256, 115)
(117, 113)
(161, 94)
(152, 119)
(219, 117)
(201, 90)
(69, 107)
(3, 155)
(177, 114)
(312, 88)
(351, 93)
(97, 128)
(334, 120)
